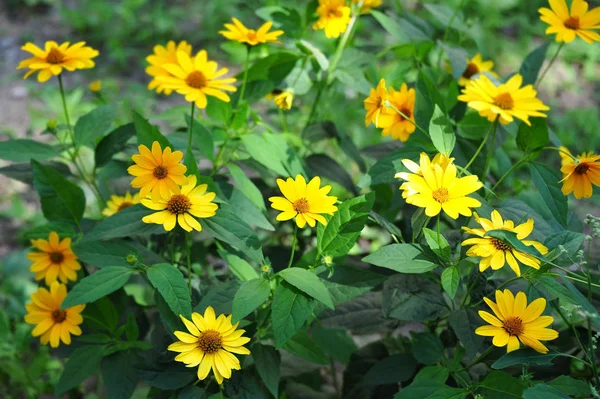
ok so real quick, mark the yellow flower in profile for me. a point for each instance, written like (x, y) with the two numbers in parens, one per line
(438, 189)
(157, 172)
(164, 55)
(495, 253)
(375, 104)
(474, 66)
(507, 101)
(579, 22)
(51, 323)
(54, 260)
(334, 17)
(118, 203)
(392, 122)
(182, 208)
(413, 167)
(305, 202)
(210, 344)
(95, 86)
(579, 173)
(367, 5)
(239, 33)
(514, 322)
(282, 98)
(54, 58)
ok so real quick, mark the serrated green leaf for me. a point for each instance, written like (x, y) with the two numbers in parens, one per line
(125, 223)
(438, 243)
(433, 373)
(324, 166)
(169, 281)
(82, 363)
(238, 266)
(309, 283)
(543, 391)
(534, 137)
(403, 258)
(250, 296)
(450, 280)
(246, 186)
(94, 125)
(546, 181)
(303, 346)
(441, 132)
(95, 286)
(570, 386)
(464, 322)
(201, 139)
(113, 143)
(393, 369)
(119, 374)
(500, 385)
(103, 253)
(427, 348)
(24, 150)
(289, 311)
(533, 63)
(147, 133)
(318, 54)
(268, 363)
(334, 341)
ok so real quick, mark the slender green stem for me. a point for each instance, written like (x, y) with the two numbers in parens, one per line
(485, 139)
(581, 281)
(294, 240)
(479, 359)
(217, 163)
(65, 110)
(406, 117)
(549, 65)
(561, 151)
(191, 130)
(568, 271)
(188, 250)
(504, 176)
(284, 123)
(447, 30)
(490, 155)
(464, 301)
(313, 109)
(438, 228)
(246, 65)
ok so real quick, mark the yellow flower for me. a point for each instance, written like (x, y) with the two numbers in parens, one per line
(54, 260)
(506, 101)
(413, 167)
(579, 173)
(392, 122)
(282, 98)
(367, 5)
(118, 203)
(193, 201)
(211, 343)
(95, 86)
(305, 202)
(375, 104)
(579, 22)
(239, 33)
(54, 57)
(196, 78)
(474, 66)
(51, 323)
(495, 253)
(515, 321)
(436, 188)
(157, 172)
(334, 16)
(164, 55)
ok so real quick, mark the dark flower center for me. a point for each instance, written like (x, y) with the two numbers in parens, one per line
(301, 205)
(196, 79)
(513, 326)
(59, 316)
(55, 56)
(179, 204)
(251, 35)
(500, 245)
(334, 13)
(441, 195)
(572, 23)
(160, 172)
(124, 205)
(56, 257)
(582, 168)
(210, 341)
(504, 101)
(406, 112)
(471, 70)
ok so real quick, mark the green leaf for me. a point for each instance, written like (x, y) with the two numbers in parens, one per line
(274, 67)
(94, 125)
(238, 266)
(390, 25)
(101, 315)
(533, 63)
(344, 227)
(421, 390)
(438, 243)
(103, 253)
(302, 346)
(384, 170)
(201, 139)
(132, 331)
(473, 126)
(500, 385)
(219, 111)
(349, 282)
(534, 137)
(220, 297)
(458, 59)
(268, 362)
(334, 341)
(411, 297)
(192, 392)
(95, 286)
(427, 96)
(246, 186)
(571, 241)
(289, 311)
(570, 386)
(450, 280)
(113, 143)
(82, 363)
(582, 301)
(274, 153)
(393, 369)
(239, 204)
(403, 258)
(125, 223)
(24, 150)
(43, 231)
(23, 172)
(464, 322)
(250, 296)
(433, 373)
(309, 283)
(147, 133)
(546, 181)
(61, 199)
(510, 238)
(119, 374)
(169, 281)
(324, 166)
(543, 391)
(441, 132)
(427, 348)
(318, 54)
(174, 376)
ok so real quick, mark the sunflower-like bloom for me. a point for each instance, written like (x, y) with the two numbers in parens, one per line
(375, 104)
(282, 98)
(474, 66)
(51, 323)
(334, 17)
(305, 202)
(496, 253)
(182, 208)
(54, 57)
(579, 22)
(506, 101)
(413, 167)
(367, 5)
(210, 344)
(437, 189)
(54, 260)
(516, 321)
(164, 55)
(156, 172)
(579, 173)
(118, 203)
(197, 77)
(392, 122)
(239, 33)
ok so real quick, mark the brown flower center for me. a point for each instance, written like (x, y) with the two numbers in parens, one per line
(210, 341)
(471, 70)
(504, 101)
(301, 205)
(160, 172)
(55, 56)
(407, 112)
(56, 257)
(572, 23)
(179, 204)
(582, 168)
(334, 13)
(59, 316)
(124, 205)
(251, 35)
(513, 326)
(441, 195)
(500, 245)
(196, 79)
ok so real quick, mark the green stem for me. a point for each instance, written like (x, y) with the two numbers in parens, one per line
(66, 111)
(217, 163)
(438, 228)
(284, 123)
(479, 359)
(313, 109)
(549, 65)
(246, 64)
(504, 176)
(561, 151)
(488, 159)
(188, 250)
(487, 135)
(406, 117)
(294, 240)
(581, 281)
(191, 130)
(464, 301)
(447, 30)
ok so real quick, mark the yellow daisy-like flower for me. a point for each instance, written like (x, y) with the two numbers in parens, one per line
(305, 202)
(210, 344)
(239, 33)
(54, 57)
(282, 98)
(506, 101)
(54, 260)
(495, 253)
(51, 323)
(164, 55)
(334, 17)
(474, 66)
(413, 167)
(182, 208)
(196, 78)
(392, 122)
(367, 5)
(157, 173)
(579, 22)
(118, 203)
(579, 173)
(439, 189)
(517, 323)
(375, 104)
(95, 86)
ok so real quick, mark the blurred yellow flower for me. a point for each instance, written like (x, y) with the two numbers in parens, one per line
(118, 203)
(54, 260)
(413, 167)
(579, 22)
(474, 66)
(495, 253)
(392, 122)
(95, 86)
(579, 173)
(282, 98)
(305, 202)
(507, 101)
(239, 33)
(375, 104)
(210, 344)
(164, 55)
(51, 323)
(367, 5)
(54, 57)
(513, 321)
(334, 17)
